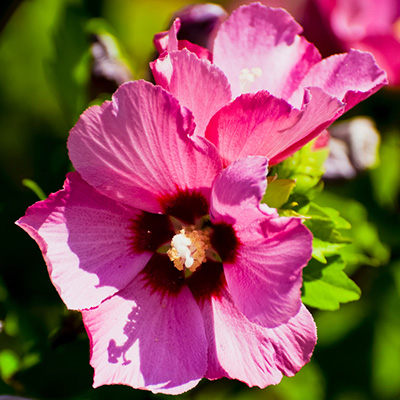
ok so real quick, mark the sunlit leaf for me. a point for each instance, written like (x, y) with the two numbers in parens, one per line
(325, 224)
(278, 192)
(306, 167)
(325, 286)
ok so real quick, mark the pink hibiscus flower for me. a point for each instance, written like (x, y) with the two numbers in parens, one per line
(266, 92)
(179, 271)
(369, 25)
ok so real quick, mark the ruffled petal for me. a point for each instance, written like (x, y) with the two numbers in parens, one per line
(167, 40)
(177, 73)
(261, 124)
(147, 339)
(350, 77)
(258, 356)
(137, 149)
(238, 188)
(264, 276)
(258, 48)
(87, 242)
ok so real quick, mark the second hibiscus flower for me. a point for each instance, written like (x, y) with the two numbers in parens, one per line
(267, 91)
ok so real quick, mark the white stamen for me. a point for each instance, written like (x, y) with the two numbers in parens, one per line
(182, 245)
(248, 76)
(188, 249)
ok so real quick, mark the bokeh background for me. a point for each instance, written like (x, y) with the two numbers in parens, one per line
(47, 59)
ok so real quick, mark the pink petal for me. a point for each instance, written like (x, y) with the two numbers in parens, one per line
(353, 20)
(261, 124)
(240, 349)
(177, 73)
(386, 50)
(86, 240)
(263, 41)
(238, 188)
(201, 52)
(147, 340)
(167, 40)
(264, 278)
(137, 149)
(350, 77)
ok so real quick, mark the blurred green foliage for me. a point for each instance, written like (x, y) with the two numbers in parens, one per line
(44, 350)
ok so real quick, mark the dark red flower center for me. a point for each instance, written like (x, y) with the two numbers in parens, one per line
(185, 221)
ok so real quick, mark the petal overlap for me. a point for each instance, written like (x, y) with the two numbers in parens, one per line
(138, 148)
(256, 355)
(264, 278)
(176, 73)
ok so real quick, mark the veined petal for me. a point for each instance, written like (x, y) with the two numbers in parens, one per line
(264, 276)
(350, 77)
(147, 339)
(258, 48)
(86, 241)
(197, 84)
(261, 124)
(239, 187)
(137, 148)
(258, 356)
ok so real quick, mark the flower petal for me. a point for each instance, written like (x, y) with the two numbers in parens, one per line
(137, 148)
(167, 40)
(261, 124)
(264, 277)
(239, 187)
(147, 340)
(350, 77)
(258, 48)
(179, 70)
(240, 349)
(386, 50)
(86, 240)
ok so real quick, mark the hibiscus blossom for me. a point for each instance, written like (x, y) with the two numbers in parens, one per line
(267, 91)
(179, 272)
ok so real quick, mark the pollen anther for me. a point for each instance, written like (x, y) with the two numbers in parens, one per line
(188, 249)
(248, 76)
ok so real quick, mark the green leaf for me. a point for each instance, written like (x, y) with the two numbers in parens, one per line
(325, 225)
(325, 286)
(306, 167)
(366, 247)
(278, 192)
